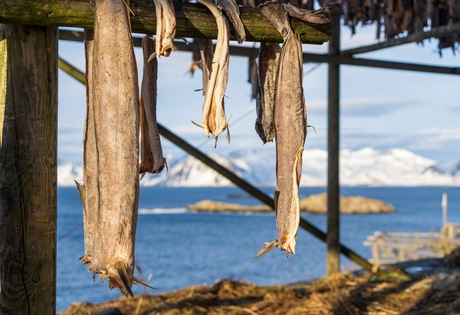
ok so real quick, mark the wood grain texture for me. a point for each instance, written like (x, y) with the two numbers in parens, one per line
(193, 19)
(28, 119)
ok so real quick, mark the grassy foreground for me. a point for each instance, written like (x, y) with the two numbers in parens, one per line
(436, 291)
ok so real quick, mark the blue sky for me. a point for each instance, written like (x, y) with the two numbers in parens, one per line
(380, 108)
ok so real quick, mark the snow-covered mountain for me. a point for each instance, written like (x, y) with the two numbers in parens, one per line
(365, 167)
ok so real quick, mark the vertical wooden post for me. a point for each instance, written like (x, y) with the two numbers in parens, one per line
(444, 209)
(333, 185)
(28, 204)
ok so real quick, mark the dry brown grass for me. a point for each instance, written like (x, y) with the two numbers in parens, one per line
(343, 294)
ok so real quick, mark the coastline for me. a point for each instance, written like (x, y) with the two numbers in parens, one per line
(313, 204)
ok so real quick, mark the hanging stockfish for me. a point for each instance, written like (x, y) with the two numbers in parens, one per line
(230, 8)
(166, 27)
(268, 70)
(253, 78)
(111, 171)
(290, 131)
(207, 54)
(265, 103)
(196, 58)
(87, 192)
(316, 17)
(214, 120)
(151, 153)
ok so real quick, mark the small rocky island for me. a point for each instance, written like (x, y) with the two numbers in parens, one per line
(314, 204)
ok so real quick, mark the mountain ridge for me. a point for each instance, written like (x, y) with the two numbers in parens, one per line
(364, 167)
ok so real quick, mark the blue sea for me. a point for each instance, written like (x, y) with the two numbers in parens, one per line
(175, 249)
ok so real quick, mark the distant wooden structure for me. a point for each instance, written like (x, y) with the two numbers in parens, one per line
(393, 247)
(28, 69)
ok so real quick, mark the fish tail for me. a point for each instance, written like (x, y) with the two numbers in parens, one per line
(267, 248)
(119, 277)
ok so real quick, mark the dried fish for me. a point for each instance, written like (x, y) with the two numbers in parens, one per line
(230, 8)
(115, 100)
(317, 17)
(166, 27)
(214, 120)
(290, 132)
(86, 191)
(196, 58)
(151, 153)
(207, 54)
(265, 103)
(253, 77)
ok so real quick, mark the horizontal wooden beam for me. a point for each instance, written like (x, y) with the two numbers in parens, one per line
(414, 37)
(381, 64)
(241, 51)
(193, 20)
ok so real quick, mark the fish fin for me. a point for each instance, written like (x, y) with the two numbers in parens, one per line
(119, 278)
(152, 56)
(266, 248)
(166, 165)
(85, 259)
(198, 125)
(139, 281)
(310, 126)
(291, 247)
(81, 191)
(228, 134)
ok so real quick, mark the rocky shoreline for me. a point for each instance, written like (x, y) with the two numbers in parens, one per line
(313, 204)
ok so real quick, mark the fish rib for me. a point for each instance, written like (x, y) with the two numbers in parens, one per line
(151, 153)
(214, 120)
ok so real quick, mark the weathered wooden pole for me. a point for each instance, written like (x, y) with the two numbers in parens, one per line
(28, 205)
(333, 185)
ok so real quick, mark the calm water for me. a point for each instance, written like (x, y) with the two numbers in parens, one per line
(176, 249)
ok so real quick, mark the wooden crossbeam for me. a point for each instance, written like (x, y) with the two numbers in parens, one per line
(411, 38)
(241, 51)
(193, 19)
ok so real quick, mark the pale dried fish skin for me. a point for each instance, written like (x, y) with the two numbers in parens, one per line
(290, 131)
(87, 190)
(265, 103)
(317, 17)
(290, 134)
(151, 153)
(275, 12)
(116, 118)
(207, 54)
(232, 11)
(214, 120)
(253, 78)
(166, 27)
